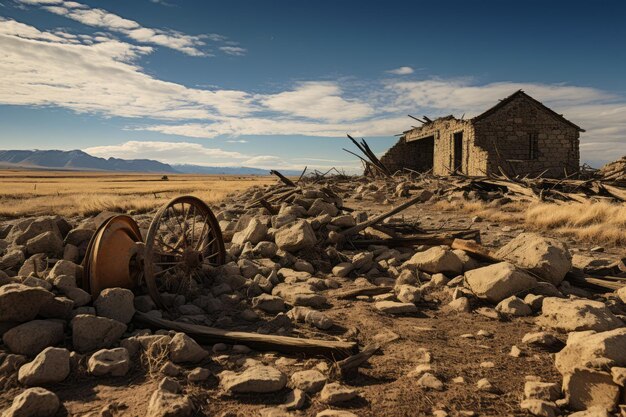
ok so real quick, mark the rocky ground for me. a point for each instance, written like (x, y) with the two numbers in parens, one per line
(457, 335)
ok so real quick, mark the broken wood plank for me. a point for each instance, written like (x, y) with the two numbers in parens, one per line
(350, 365)
(474, 249)
(210, 335)
(270, 208)
(284, 179)
(420, 239)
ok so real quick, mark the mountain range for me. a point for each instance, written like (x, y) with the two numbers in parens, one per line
(78, 160)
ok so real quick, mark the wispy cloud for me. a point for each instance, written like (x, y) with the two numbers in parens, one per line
(194, 45)
(401, 71)
(233, 50)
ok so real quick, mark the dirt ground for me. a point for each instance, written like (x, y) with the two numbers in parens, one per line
(384, 385)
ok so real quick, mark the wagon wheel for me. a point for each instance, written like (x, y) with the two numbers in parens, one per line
(184, 238)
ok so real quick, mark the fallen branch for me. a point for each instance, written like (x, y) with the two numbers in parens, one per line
(292, 345)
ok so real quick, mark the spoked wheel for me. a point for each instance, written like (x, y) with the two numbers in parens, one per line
(184, 238)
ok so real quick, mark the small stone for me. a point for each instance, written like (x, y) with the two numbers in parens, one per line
(485, 385)
(393, 307)
(540, 339)
(538, 390)
(34, 402)
(515, 352)
(114, 362)
(258, 378)
(269, 303)
(309, 381)
(430, 381)
(198, 375)
(167, 404)
(539, 408)
(184, 349)
(295, 400)
(335, 393)
(51, 365)
(513, 306)
(116, 303)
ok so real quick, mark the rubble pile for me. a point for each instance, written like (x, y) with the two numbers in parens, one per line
(297, 256)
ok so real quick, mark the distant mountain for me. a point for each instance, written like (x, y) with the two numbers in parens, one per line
(199, 169)
(79, 161)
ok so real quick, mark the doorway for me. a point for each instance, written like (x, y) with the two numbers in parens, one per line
(458, 152)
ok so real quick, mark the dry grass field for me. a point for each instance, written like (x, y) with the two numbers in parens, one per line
(592, 222)
(26, 193)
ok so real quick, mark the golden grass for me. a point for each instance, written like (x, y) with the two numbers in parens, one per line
(26, 193)
(591, 222)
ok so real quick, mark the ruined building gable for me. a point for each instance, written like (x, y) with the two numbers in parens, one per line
(519, 135)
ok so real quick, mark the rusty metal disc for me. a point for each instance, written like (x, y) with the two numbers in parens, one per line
(111, 260)
(183, 241)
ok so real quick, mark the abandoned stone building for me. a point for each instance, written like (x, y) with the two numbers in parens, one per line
(519, 135)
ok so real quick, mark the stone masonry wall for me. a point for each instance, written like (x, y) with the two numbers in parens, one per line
(416, 155)
(507, 134)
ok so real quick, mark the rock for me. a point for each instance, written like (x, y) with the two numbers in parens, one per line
(496, 282)
(319, 206)
(590, 349)
(515, 352)
(48, 242)
(461, 304)
(436, 259)
(296, 236)
(576, 315)
(114, 362)
(430, 381)
(295, 400)
(258, 378)
(20, 303)
(37, 282)
(485, 385)
(547, 391)
(254, 233)
(198, 375)
(591, 412)
(540, 339)
(265, 249)
(547, 258)
(335, 393)
(363, 260)
(345, 220)
(342, 269)
(393, 307)
(585, 388)
(67, 268)
(539, 408)
(408, 293)
(619, 375)
(534, 301)
(169, 369)
(11, 363)
(34, 402)
(116, 303)
(513, 306)
(301, 294)
(79, 296)
(12, 259)
(78, 236)
(71, 253)
(57, 308)
(32, 337)
(269, 303)
(166, 404)
(309, 381)
(184, 349)
(144, 303)
(92, 333)
(51, 365)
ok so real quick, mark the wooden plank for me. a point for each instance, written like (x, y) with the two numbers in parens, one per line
(344, 295)
(210, 335)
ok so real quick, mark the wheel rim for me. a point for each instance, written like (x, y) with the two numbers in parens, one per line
(184, 238)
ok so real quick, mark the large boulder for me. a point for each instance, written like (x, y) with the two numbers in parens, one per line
(12, 259)
(587, 388)
(48, 242)
(576, 315)
(21, 303)
(21, 233)
(436, 260)
(547, 258)
(256, 379)
(320, 206)
(34, 402)
(295, 236)
(254, 233)
(32, 337)
(592, 350)
(92, 333)
(50, 366)
(496, 282)
(116, 303)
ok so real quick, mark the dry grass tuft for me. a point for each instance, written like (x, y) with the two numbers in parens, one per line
(154, 358)
(591, 222)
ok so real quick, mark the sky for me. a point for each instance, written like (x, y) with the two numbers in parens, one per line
(279, 84)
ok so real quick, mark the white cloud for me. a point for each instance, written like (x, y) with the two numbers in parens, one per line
(189, 44)
(401, 71)
(318, 100)
(170, 152)
(233, 50)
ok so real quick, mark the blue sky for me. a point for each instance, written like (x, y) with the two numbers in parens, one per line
(277, 84)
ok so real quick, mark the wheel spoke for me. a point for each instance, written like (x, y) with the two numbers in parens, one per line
(200, 238)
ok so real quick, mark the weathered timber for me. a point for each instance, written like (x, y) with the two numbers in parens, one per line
(344, 295)
(284, 179)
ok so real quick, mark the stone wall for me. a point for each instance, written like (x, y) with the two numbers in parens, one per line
(416, 155)
(523, 138)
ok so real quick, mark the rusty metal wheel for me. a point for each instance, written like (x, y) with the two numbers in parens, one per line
(183, 240)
